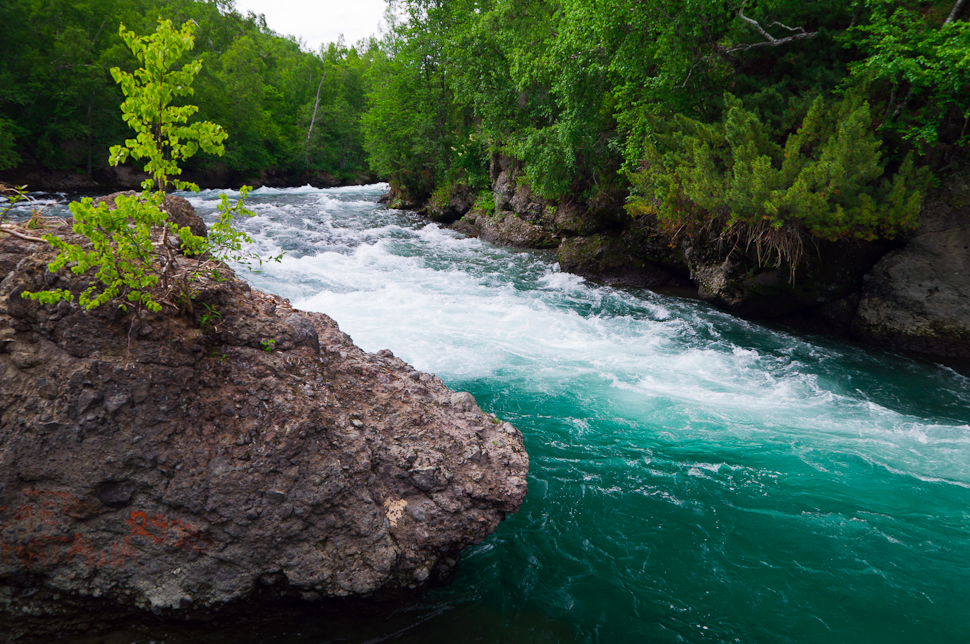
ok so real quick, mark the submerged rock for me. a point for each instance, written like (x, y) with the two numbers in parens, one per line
(177, 464)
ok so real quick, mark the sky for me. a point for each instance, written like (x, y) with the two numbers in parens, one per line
(319, 21)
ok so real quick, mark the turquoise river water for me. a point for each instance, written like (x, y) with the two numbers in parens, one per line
(694, 477)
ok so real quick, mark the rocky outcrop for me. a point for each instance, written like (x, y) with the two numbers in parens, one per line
(573, 219)
(177, 465)
(508, 187)
(918, 298)
(520, 218)
(733, 279)
(451, 206)
(621, 261)
(508, 229)
(568, 217)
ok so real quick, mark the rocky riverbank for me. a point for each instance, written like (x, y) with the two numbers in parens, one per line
(906, 294)
(175, 464)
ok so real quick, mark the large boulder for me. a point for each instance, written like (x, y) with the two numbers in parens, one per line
(179, 463)
(450, 205)
(918, 298)
(573, 218)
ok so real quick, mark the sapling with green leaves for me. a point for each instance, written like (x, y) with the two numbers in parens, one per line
(135, 248)
(163, 135)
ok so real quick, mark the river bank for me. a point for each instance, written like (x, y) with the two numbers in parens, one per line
(910, 293)
(693, 476)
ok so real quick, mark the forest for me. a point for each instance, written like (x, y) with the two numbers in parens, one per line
(820, 117)
(824, 116)
(59, 103)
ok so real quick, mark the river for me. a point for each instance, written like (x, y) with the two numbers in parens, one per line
(694, 477)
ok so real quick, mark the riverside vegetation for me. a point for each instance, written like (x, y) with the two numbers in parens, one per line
(768, 153)
(786, 120)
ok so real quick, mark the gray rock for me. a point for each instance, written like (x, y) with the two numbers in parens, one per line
(116, 402)
(508, 229)
(115, 494)
(730, 276)
(512, 192)
(302, 333)
(464, 401)
(918, 298)
(571, 218)
(618, 261)
(458, 201)
(504, 171)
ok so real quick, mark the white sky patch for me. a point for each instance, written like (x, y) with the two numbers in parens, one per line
(319, 22)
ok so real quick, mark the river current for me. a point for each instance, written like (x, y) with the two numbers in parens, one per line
(694, 477)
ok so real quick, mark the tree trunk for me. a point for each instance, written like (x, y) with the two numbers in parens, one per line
(955, 13)
(316, 104)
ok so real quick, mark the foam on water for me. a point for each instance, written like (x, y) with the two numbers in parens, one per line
(694, 477)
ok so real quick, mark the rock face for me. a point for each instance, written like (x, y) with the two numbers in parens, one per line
(522, 219)
(450, 208)
(618, 261)
(176, 463)
(508, 229)
(734, 280)
(918, 298)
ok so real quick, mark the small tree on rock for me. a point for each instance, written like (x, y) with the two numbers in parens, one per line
(163, 134)
(135, 248)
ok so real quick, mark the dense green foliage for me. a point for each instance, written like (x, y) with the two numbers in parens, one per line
(164, 136)
(927, 66)
(770, 115)
(416, 132)
(683, 109)
(58, 100)
(732, 176)
(133, 248)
